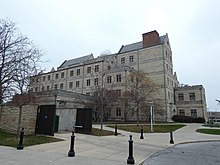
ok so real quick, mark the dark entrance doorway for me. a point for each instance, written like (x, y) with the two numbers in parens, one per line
(46, 119)
(84, 118)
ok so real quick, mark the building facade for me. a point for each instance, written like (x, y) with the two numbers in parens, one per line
(191, 101)
(83, 75)
(214, 117)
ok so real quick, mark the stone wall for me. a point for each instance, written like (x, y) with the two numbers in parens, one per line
(9, 118)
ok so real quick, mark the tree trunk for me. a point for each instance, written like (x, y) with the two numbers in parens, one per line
(19, 121)
(137, 116)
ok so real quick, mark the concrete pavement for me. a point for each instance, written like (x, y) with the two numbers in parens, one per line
(109, 150)
(196, 153)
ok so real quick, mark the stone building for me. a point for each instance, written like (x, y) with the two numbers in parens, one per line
(191, 101)
(152, 55)
(214, 117)
(37, 117)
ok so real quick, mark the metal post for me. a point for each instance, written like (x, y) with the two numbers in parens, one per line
(20, 145)
(130, 159)
(71, 152)
(142, 132)
(171, 138)
(116, 133)
(102, 109)
(151, 118)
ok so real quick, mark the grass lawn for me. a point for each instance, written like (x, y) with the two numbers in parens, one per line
(98, 132)
(209, 131)
(7, 139)
(160, 128)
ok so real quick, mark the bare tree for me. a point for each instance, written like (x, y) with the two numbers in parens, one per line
(139, 92)
(18, 60)
(20, 100)
(103, 100)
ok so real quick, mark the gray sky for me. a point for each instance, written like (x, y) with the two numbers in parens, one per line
(67, 29)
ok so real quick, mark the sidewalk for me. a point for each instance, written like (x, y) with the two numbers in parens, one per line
(109, 150)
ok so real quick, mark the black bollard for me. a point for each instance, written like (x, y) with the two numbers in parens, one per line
(171, 138)
(116, 133)
(20, 145)
(130, 159)
(71, 152)
(142, 133)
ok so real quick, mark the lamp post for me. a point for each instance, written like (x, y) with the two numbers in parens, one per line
(102, 102)
(151, 117)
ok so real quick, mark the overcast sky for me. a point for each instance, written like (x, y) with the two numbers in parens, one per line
(67, 29)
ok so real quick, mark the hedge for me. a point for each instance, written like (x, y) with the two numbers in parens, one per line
(187, 119)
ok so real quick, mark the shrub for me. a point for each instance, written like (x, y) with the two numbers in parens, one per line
(187, 119)
(182, 119)
(199, 120)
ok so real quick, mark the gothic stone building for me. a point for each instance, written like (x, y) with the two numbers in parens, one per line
(191, 101)
(152, 55)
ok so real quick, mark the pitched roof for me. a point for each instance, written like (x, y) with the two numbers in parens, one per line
(75, 61)
(137, 45)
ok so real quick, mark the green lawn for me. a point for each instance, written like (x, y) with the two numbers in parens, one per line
(98, 132)
(160, 128)
(209, 131)
(8, 139)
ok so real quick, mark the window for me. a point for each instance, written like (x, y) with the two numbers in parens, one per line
(55, 86)
(88, 82)
(118, 111)
(109, 79)
(181, 112)
(42, 89)
(96, 81)
(78, 72)
(96, 68)
(169, 95)
(71, 73)
(122, 60)
(167, 67)
(48, 87)
(44, 77)
(131, 58)
(62, 75)
(119, 92)
(48, 77)
(61, 86)
(168, 81)
(36, 89)
(57, 76)
(70, 85)
(77, 83)
(88, 69)
(192, 96)
(108, 111)
(180, 96)
(193, 112)
(118, 78)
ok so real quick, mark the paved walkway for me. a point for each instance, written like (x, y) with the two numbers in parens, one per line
(99, 150)
(198, 153)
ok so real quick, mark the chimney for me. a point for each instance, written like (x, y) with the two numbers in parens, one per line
(150, 39)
